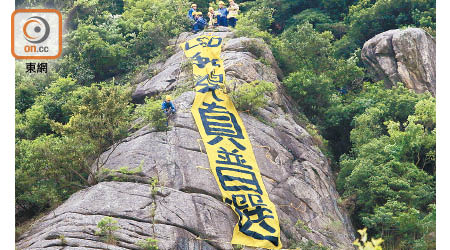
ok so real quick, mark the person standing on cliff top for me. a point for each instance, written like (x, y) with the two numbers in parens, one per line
(191, 11)
(212, 15)
(233, 11)
(200, 22)
(222, 14)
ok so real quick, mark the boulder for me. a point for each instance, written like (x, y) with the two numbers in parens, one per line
(158, 184)
(402, 55)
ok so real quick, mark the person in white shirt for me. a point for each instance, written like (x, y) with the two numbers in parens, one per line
(233, 11)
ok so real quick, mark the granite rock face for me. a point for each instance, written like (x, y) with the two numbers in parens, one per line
(407, 56)
(185, 209)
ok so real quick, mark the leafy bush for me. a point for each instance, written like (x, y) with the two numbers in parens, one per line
(51, 106)
(33, 123)
(282, 10)
(312, 16)
(102, 45)
(152, 113)
(101, 115)
(345, 46)
(148, 244)
(260, 18)
(251, 96)
(314, 47)
(398, 103)
(48, 170)
(30, 86)
(337, 9)
(107, 226)
(53, 158)
(95, 52)
(25, 96)
(255, 24)
(320, 20)
(150, 24)
(368, 18)
(391, 168)
(311, 92)
(255, 47)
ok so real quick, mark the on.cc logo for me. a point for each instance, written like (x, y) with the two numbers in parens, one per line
(36, 34)
(36, 29)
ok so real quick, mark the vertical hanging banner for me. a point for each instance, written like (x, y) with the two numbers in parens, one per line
(229, 149)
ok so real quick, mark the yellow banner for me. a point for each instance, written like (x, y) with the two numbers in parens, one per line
(229, 150)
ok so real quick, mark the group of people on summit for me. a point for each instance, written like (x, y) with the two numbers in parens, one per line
(223, 16)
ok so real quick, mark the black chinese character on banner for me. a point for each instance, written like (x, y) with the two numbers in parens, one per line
(207, 84)
(221, 123)
(246, 212)
(231, 158)
(202, 61)
(229, 180)
(210, 82)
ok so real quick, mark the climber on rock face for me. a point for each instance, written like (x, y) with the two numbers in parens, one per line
(192, 10)
(167, 106)
(222, 15)
(233, 11)
(342, 91)
(200, 22)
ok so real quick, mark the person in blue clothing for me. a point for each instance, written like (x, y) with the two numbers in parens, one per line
(222, 15)
(167, 106)
(342, 91)
(200, 22)
(191, 11)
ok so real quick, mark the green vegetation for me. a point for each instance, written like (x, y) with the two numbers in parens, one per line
(368, 18)
(381, 142)
(59, 137)
(148, 244)
(107, 226)
(151, 113)
(154, 181)
(238, 247)
(251, 96)
(63, 240)
(127, 170)
(391, 169)
(310, 245)
(112, 38)
(301, 225)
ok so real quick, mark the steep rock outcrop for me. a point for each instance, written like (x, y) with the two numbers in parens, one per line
(402, 55)
(186, 211)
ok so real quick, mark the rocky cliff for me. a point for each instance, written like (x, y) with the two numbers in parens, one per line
(403, 55)
(185, 209)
